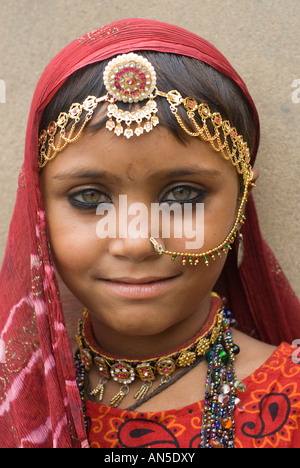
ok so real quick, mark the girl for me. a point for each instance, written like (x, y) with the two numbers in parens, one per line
(144, 112)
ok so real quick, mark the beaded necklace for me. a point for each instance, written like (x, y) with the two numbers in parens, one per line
(215, 345)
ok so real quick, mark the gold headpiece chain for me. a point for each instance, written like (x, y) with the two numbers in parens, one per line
(131, 78)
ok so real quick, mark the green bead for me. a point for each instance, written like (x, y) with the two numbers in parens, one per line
(224, 357)
(209, 356)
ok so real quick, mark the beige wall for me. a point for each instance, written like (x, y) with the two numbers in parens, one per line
(261, 39)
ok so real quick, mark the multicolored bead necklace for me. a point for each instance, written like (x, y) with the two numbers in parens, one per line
(215, 345)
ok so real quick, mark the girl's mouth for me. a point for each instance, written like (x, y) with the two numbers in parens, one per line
(139, 287)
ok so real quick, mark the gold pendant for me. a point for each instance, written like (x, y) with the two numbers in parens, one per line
(99, 389)
(116, 400)
(142, 392)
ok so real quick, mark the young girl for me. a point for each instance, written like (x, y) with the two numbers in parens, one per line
(141, 112)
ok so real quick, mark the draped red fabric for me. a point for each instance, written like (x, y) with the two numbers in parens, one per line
(40, 404)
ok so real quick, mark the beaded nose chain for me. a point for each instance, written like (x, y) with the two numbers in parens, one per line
(222, 386)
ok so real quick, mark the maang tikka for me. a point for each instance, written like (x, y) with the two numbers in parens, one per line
(130, 78)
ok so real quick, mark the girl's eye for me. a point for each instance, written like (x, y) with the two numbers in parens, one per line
(88, 198)
(184, 194)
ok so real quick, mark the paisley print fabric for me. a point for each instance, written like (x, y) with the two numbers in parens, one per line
(270, 420)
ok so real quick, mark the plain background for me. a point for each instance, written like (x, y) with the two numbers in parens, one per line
(261, 38)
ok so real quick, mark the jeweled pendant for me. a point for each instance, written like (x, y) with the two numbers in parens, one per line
(128, 132)
(119, 130)
(139, 130)
(110, 125)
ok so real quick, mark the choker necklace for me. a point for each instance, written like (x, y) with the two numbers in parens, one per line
(215, 345)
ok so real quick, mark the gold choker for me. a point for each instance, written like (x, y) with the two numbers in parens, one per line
(125, 371)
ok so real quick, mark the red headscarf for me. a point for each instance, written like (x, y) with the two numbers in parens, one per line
(40, 404)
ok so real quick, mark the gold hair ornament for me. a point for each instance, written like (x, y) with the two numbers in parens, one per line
(131, 78)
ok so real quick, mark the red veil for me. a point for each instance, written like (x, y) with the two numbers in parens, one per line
(40, 405)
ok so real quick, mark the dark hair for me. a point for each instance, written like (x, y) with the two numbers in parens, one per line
(191, 77)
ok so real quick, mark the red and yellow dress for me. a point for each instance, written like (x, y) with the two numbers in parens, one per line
(270, 420)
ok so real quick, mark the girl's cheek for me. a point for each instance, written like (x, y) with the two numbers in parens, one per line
(72, 244)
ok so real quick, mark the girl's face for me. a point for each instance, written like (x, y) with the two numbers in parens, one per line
(128, 288)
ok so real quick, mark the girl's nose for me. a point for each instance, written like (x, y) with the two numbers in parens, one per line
(137, 250)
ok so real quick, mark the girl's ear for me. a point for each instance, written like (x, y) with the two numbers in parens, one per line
(254, 179)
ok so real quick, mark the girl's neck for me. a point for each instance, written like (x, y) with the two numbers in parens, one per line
(126, 345)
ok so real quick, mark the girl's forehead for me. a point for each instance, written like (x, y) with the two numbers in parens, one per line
(157, 154)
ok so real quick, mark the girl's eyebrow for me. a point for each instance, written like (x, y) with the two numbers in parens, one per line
(85, 174)
(194, 170)
(93, 174)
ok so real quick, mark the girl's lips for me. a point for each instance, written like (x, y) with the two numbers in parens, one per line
(138, 287)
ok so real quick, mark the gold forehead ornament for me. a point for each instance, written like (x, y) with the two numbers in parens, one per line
(131, 78)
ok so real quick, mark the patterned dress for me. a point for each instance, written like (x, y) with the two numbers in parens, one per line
(270, 418)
